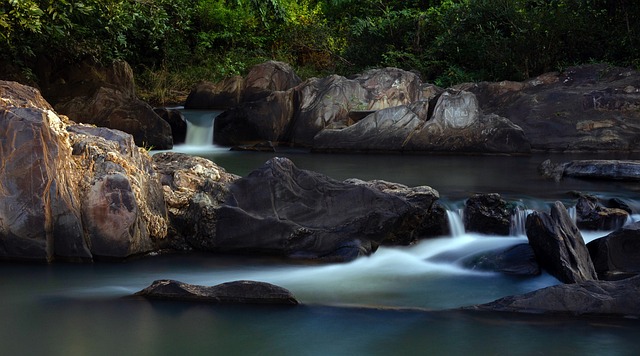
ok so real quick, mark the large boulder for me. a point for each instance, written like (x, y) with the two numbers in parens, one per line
(105, 96)
(586, 298)
(267, 77)
(177, 121)
(236, 292)
(326, 103)
(281, 210)
(453, 123)
(222, 95)
(559, 246)
(193, 187)
(72, 192)
(617, 255)
(487, 214)
(590, 108)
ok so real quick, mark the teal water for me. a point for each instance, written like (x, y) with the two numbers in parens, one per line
(396, 302)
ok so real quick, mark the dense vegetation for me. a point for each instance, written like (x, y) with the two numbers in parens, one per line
(172, 43)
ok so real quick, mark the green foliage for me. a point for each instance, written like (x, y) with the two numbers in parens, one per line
(447, 41)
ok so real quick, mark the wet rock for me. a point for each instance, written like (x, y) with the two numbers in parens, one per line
(586, 298)
(487, 214)
(617, 255)
(518, 260)
(237, 292)
(585, 108)
(591, 215)
(559, 246)
(592, 169)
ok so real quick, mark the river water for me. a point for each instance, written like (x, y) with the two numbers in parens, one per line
(398, 301)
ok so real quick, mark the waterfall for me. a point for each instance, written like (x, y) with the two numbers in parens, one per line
(518, 221)
(456, 226)
(200, 127)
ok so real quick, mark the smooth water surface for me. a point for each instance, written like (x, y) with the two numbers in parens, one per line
(395, 302)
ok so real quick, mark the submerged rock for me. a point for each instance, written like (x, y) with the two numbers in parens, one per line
(586, 298)
(559, 246)
(237, 292)
(517, 260)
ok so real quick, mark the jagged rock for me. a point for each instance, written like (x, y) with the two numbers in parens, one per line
(559, 246)
(177, 122)
(587, 298)
(591, 215)
(617, 255)
(588, 108)
(72, 192)
(517, 260)
(237, 292)
(192, 187)
(105, 96)
(487, 214)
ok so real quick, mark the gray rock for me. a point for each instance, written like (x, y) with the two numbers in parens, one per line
(237, 292)
(518, 260)
(591, 215)
(559, 246)
(223, 95)
(592, 169)
(487, 214)
(586, 298)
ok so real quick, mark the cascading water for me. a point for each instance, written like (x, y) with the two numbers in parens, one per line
(199, 129)
(518, 221)
(456, 225)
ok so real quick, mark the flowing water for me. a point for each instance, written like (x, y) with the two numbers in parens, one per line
(397, 301)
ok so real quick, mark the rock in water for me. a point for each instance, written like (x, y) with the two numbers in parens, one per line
(559, 246)
(597, 298)
(237, 292)
(487, 214)
(591, 215)
(617, 255)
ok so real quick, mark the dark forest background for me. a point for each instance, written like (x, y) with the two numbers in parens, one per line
(171, 44)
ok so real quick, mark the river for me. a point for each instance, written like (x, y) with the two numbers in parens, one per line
(398, 301)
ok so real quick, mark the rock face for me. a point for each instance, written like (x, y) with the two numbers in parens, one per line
(595, 298)
(237, 292)
(591, 107)
(71, 192)
(591, 215)
(209, 96)
(559, 246)
(592, 169)
(456, 125)
(487, 214)
(177, 122)
(617, 255)
(194, 188)
(106, 97)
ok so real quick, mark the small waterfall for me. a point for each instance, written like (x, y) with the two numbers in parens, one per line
(200, 127)
(518, 221)
(456, 226)
(573, 214)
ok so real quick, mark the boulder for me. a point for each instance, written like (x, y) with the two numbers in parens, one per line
(281, 210)
(326, 103)
(258, 121)
(584, 108)
(517, 260)
(487, 214)
(456, 125)
(617, 255)
(193, 187)
(559, 246)
(586, 298)
(209, 96)
(237, 292)
(268, 77)
(177, 122)
(624, 170)
(106, 97)
(72, 192)
(591, 215)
